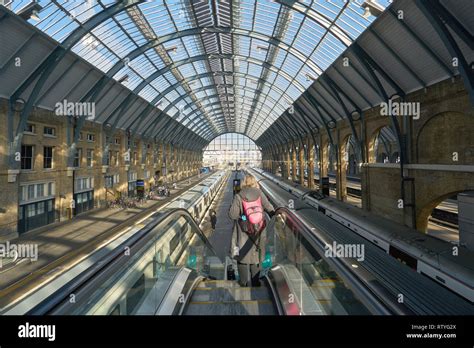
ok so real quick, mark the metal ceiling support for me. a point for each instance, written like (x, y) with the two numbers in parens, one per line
(60, 77)
(310, 132)
(202, 130)
(283, 134)
(309, 113)
(437, 7)
(148, 32)
(420, 42)
(397, 57)
(297, 135)
(299, 126)
(199, 31)
(17, 52)
(328, 29)
(158, 73)
(176, 64)
(152, 126)
(217, 103)
(357, 90)
(120, 110)
(316, 107)
(440, 18)
(3, 14)
(216, 22)
(366, 80)
(133, 128)
(307, 118)
(268, 140)
(368, 62)
(90, 95)
(197, 58)
(185, 132)
(43, 72)
(279, 30)
(336, 91)
(318, 95)
(370, 65)
(207, 105)
(340, 34)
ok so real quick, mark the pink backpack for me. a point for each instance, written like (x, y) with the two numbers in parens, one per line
(253, 212)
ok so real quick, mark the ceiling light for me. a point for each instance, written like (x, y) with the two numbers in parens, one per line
(124, 78)
(30, 11)
(310, 77)
(172, 49)
(372, 7)
(262, 48)
(34, 15)
(366, 13)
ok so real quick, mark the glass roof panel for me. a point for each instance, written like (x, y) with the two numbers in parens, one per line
(253, 57)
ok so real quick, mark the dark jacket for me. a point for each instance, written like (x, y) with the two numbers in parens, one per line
(240, 238)
(213, 218)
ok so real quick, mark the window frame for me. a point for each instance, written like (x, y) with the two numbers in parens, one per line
(50, 158)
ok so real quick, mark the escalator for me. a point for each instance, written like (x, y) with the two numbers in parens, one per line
(170, 268)
(227, 297)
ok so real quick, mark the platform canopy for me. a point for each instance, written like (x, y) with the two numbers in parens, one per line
(411, 45)
(214, 66)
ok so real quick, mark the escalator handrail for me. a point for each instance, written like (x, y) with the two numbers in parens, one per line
(113, 258)
(374, 296)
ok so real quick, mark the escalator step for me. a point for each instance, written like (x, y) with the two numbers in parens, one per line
(264, 307)
(218, 284)
(230, 294)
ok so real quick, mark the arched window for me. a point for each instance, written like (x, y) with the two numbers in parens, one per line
(231, 149)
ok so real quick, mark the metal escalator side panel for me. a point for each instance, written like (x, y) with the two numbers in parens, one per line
(293, 295)
(297, 244)
(188, 290)
(116, 261)
(175, 294)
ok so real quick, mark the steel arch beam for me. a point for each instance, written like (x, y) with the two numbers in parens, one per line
(43, 71)
(439, 17)
(151, 126)
(216, 95)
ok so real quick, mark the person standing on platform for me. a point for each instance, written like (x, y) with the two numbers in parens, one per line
(213, 216)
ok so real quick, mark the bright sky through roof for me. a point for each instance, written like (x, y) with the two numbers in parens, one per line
(232, 66)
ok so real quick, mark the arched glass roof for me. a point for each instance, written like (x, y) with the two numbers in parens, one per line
(215, 66)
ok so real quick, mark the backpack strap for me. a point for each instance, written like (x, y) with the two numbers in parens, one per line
(247, 246)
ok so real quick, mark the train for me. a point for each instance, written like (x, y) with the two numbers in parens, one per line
(449, 265)
(132, 293)
(169, 247)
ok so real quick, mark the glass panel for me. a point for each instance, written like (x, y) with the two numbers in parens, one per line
(230, 150)
(40, 208)
(30, 210)
(323, 291)
(307, 36)
(139, 284)
(31, 191)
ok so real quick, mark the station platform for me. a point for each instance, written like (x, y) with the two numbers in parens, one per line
(175, 251)
(220, 238)
(62, 244)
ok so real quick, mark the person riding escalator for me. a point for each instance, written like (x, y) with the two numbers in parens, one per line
(249, 232)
